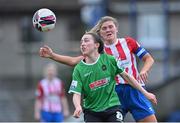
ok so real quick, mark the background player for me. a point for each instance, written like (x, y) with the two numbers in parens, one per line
(51, 103)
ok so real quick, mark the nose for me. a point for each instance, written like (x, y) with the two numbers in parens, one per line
(82, 44)
(108, 29)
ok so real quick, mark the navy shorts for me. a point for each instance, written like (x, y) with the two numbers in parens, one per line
(134, 101)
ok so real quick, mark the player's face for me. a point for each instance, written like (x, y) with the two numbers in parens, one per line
(108, 32)
(88, 45)
(51, 73)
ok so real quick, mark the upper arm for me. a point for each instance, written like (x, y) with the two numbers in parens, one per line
(136, 48)
(67, 60)
(147, 56)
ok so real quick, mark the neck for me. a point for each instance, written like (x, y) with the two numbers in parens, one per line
(50, 79)
(109, 42)
(92, 58)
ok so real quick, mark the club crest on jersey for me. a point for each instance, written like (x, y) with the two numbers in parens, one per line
(104, 67)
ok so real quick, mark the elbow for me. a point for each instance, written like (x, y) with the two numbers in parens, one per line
(73, 63)
(149, 59)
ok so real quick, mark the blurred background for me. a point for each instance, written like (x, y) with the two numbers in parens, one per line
(154, 23)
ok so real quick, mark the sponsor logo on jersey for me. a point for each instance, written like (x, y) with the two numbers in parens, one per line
(99, 83)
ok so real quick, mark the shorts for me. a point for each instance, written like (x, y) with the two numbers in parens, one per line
(113, 114)
(134, 101)
(51, 116)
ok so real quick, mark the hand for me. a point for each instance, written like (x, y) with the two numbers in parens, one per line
(144, 76)
(77, 112)
(45, 52)
(151, 97)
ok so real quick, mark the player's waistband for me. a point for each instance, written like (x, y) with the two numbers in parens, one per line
(142, 84)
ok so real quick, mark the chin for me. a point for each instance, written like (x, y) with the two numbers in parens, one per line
(84, 54)
(109, 39)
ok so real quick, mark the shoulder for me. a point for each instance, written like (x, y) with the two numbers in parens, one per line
(79, 65)
(132, 43)
(42, 81)
(108, 58)
(130, 39)
(57, 80)
(78, 68)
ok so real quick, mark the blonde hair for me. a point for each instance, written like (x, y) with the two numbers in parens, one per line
(99, 24)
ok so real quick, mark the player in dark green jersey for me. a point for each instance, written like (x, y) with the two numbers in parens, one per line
(94, 78)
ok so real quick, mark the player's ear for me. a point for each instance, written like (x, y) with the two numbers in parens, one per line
(97, 45)
(116, 30)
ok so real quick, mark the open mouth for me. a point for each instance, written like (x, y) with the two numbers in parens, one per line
(108, 35)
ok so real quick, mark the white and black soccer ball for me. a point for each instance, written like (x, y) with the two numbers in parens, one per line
(44, 20)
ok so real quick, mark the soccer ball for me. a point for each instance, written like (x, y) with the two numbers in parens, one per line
(44, 20)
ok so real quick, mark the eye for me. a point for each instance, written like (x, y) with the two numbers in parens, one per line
(86, 40)
(110, 26)
(104, 28)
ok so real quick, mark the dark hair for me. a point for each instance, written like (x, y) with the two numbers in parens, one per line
(99, 40)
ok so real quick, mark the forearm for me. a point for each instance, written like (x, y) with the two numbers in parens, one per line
(133, 82)
(77, 100)
(37, 107)
(67, 60)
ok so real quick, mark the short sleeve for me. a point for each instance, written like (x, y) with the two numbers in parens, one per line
(76, 84)
(39, 91)
(132, 44)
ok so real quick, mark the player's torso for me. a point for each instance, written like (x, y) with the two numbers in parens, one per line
(51, 94)
(121, 51)
(98, 82)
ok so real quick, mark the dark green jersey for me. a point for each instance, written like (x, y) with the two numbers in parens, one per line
(97, 83)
